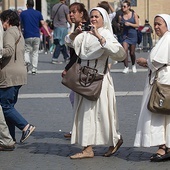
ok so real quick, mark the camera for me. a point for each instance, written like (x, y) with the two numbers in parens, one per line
(85, 26)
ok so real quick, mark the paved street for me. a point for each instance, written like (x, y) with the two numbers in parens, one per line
(44, 103)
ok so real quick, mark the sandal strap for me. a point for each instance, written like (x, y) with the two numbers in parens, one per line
(163, 147)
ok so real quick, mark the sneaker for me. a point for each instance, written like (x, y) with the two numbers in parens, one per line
(125, 70)
(27, 133)
(46, 53)
(33, 72)
(56, 62)
(134, 69)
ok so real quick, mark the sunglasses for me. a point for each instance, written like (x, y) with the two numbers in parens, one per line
(124, 6)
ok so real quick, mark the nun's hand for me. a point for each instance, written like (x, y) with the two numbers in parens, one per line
(93, 30)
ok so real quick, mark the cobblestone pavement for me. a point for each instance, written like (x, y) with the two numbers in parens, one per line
(47, 149)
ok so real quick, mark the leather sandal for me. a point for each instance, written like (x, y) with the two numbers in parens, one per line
(157, 157)
(67, 135)
(113, 149)
(83, 154)
(7, 147)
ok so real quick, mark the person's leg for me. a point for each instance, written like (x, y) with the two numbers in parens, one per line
(150, 41)
(126, 69)
(47, 44)
(125, 46)
(28, 50)
(71, 97)
(5, 137)
(35, 46)
(56, 51)
(44, 44)
(8, 99)
(11, 128)
(64, 52)
(145, 42)
(133, 57)
(132, 53)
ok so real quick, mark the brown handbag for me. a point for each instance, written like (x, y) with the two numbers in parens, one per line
(159, 101)
(84, 80)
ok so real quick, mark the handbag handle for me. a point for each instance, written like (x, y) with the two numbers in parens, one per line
(106, 64)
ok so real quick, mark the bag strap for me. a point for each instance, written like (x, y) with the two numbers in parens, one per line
(57, 11)
(106, 64)
(15, 58)
(156, 75)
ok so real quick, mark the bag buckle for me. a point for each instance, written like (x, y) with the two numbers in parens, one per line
(87, 76)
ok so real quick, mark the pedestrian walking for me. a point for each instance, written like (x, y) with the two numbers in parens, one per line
(95, 122)
(60, 17)
(153, 129)
(129, 22)
(30, 21)
(13, 74)
(46, 38)
(6, 141)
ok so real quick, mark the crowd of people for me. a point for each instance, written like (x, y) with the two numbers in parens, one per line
(94, 122)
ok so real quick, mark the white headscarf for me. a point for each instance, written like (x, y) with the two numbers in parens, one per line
(161, 52)
(166, 18)
(107, 23)
(87, 46)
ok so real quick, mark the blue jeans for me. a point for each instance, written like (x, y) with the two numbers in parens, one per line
(59, 48)
(8, 99)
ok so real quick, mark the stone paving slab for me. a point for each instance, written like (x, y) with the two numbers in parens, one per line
(47, 149)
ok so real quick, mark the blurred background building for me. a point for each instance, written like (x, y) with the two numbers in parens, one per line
(146, 9)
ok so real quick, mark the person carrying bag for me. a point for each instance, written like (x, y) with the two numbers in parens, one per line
(90, 116)
(153, 127)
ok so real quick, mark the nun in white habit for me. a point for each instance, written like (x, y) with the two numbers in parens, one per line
(154, 129)
(95, 122)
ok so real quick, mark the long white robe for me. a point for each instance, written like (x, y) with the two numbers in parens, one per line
(154, 129)
(95, 122)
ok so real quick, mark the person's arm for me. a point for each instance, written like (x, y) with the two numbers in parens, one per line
(68, 19)
(45, 27)
(111, 8)
(77, 31)
(109, 44)
(142, 62)
(136, 24)
(8, 44)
